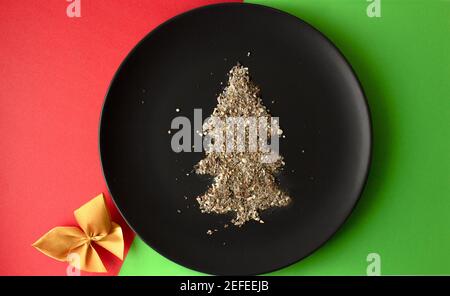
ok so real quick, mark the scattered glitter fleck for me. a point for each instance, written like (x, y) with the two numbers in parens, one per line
(209, 232)
(142, 102)
(177, 110)
(249, 53)
(179, 211)
(169, 132)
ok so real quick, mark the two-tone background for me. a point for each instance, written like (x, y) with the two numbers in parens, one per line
(55, 70)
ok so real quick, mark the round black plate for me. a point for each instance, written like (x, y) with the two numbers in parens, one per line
(181, 64)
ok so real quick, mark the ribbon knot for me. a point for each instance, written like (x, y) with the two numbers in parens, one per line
(96, 226)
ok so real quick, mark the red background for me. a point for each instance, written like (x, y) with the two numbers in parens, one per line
(54, 72)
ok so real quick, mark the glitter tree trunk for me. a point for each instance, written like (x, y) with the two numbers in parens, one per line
(243, 184)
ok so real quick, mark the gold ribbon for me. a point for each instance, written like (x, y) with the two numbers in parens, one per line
(96, 227)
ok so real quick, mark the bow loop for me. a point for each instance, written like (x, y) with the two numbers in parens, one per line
(93, 217)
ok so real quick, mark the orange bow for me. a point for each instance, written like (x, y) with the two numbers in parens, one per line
(96, 226)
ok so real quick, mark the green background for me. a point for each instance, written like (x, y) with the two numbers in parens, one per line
(403, 62)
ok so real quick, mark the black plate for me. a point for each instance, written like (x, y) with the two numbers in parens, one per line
(181, 64)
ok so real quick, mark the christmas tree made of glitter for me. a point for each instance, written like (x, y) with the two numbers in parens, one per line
(242, 184)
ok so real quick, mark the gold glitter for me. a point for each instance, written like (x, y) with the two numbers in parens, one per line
(243, 184)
